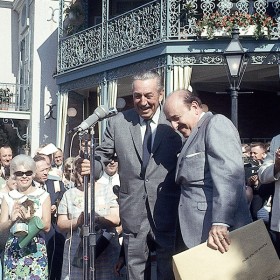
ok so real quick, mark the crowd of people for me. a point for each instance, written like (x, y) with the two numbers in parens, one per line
(163, 183)
(50, 188)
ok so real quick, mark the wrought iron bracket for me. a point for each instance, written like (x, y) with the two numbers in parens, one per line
(51, 111)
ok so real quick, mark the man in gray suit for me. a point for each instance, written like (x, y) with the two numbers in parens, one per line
(148, 195)
(269, 172)
(210, 172)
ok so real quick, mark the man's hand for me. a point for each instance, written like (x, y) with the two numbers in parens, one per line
(53, 209)
(253, 181)
(277, 161)
(119, 265)
(80, 220)
(219, 238)
(83, 166)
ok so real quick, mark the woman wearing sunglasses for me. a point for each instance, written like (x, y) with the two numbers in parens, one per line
(19, 209)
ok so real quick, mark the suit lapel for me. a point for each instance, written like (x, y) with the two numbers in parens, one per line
(136, 135)
(160, 132)
(191, 138)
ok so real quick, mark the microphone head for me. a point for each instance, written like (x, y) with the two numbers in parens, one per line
(102, 111)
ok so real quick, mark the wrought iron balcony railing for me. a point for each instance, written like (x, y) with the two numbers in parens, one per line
(14, 97)
(156, 22)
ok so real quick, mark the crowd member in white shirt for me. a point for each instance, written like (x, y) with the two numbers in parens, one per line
(57, 166)
(68, 178)
(111, 176)
(9, 186)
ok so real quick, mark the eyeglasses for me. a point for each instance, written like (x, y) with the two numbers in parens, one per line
(69, 170)
(21, 173)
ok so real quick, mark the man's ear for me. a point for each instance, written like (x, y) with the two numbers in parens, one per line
(161, 95)
(195, 105)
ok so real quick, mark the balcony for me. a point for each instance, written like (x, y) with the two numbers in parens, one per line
(14, 98)
(155, 23)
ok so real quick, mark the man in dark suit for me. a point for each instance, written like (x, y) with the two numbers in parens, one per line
(148, 195)
(6, 155)
(210, 171)
(54, 239)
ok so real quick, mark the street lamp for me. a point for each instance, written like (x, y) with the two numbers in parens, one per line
(236, 61)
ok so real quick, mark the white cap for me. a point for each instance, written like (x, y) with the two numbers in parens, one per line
(48, 149)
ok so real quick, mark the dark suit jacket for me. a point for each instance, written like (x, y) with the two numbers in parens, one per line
(56, 191)
(211, 174)
(123, 136)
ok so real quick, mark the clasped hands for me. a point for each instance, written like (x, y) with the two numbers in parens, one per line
(219, 238)
(20, 212)
(253, 181)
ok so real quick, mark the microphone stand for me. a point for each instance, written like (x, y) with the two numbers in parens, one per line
(92, 232)
(89, 234)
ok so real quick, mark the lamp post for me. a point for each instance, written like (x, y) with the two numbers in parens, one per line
(236, 61)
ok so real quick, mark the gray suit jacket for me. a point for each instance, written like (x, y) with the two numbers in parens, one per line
(123, 136)
(211, 174)
(266, 175)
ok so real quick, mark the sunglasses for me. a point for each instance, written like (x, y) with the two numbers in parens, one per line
(21, 173)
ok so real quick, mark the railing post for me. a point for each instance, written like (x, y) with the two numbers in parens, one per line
(104, 30)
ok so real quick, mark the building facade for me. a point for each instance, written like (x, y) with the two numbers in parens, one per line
(102, 43)
(28, 91)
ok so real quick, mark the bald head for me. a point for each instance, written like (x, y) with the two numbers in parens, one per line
(183, 109)
(175, 97)
(6, 155)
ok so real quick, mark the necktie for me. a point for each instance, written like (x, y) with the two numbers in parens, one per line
(43, 186)
(146, 146)
(110, 183)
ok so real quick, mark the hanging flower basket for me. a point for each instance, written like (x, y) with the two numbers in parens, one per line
(248, 31)
(215, 25)
(5, 98)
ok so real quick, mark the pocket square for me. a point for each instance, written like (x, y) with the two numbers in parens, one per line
(192, 155)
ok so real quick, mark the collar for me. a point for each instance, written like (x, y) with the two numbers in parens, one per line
(37, 184)
(155, 117)
(105, 176)
(201, 115)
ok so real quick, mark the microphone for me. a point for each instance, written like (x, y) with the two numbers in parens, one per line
(100, 113)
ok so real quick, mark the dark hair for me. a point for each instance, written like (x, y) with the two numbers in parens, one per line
(190, 97)
(39, 157)
(259, 144)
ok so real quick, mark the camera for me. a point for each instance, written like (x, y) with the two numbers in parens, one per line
(251, 167)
